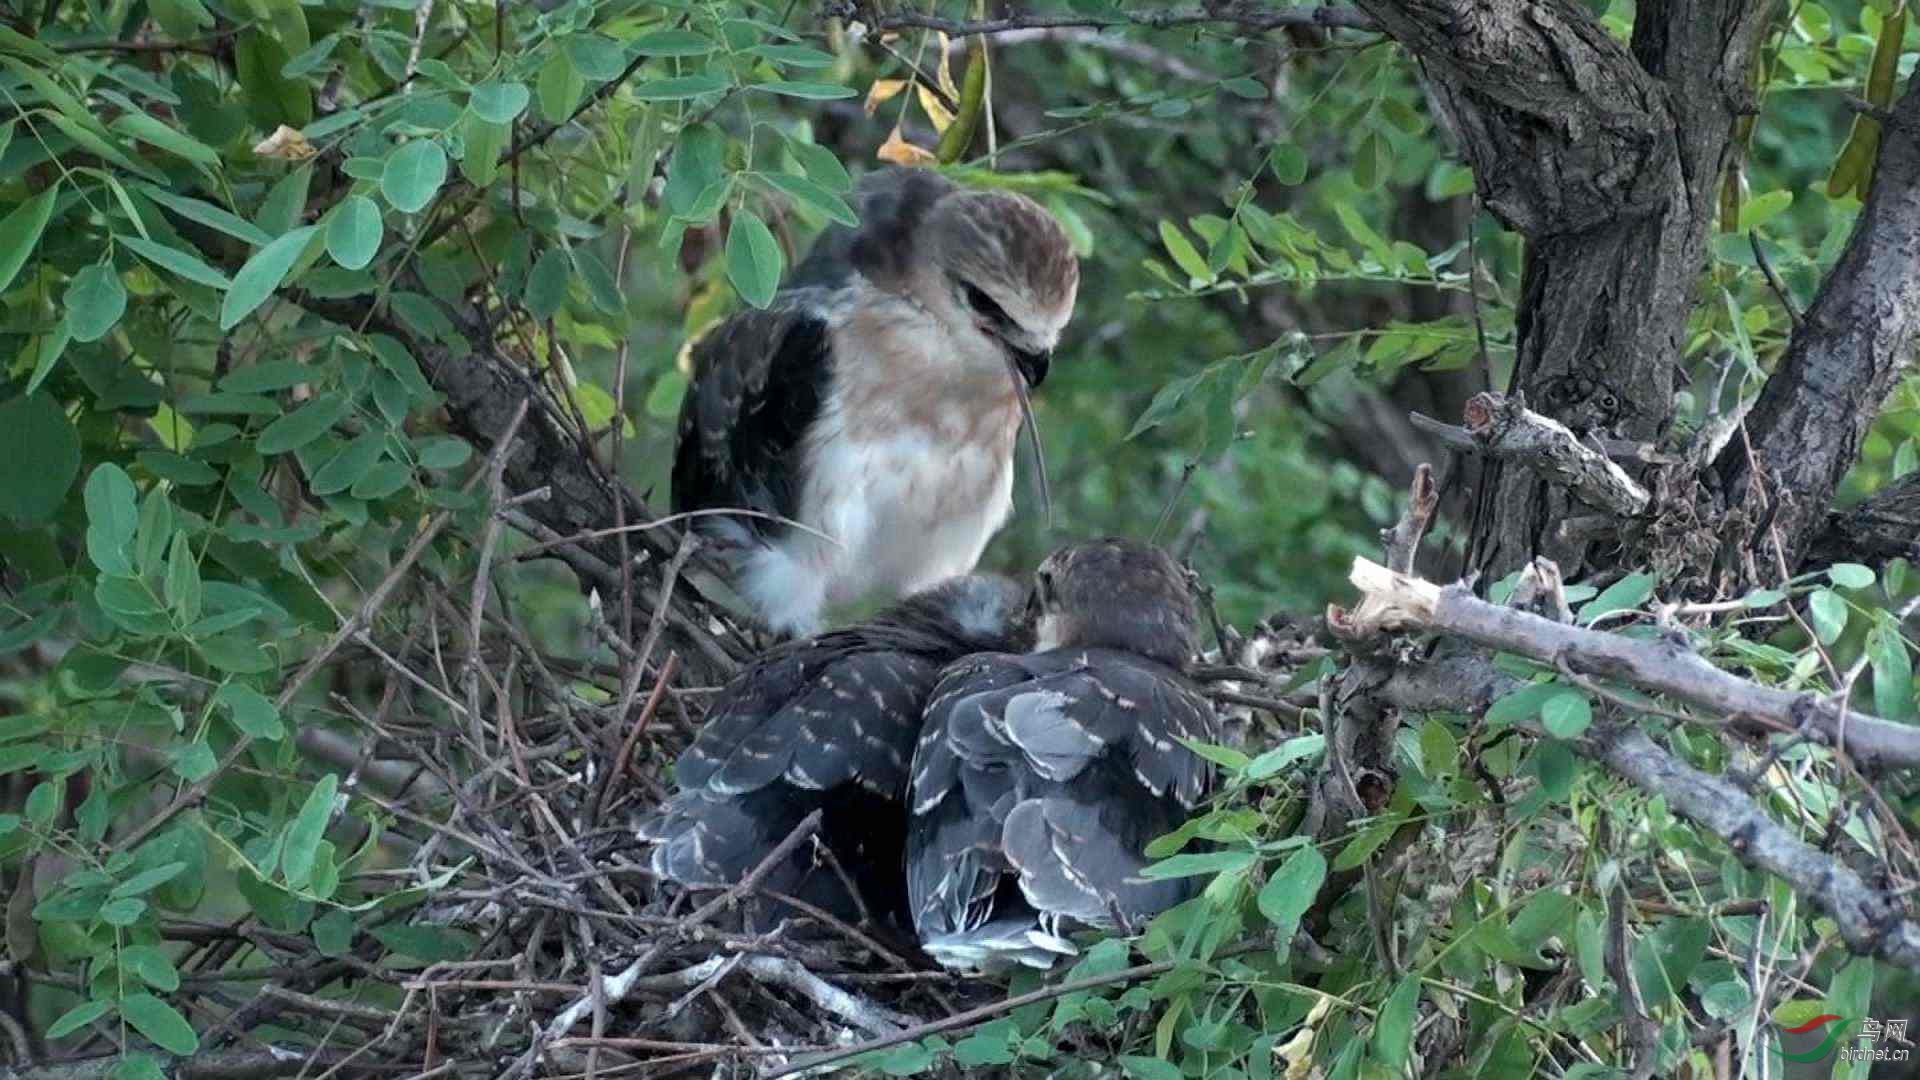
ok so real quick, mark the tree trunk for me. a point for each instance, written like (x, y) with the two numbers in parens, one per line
(1607, 159)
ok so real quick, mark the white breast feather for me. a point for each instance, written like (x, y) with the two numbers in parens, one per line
(908, 503)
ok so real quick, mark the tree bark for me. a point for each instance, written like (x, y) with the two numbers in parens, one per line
(1806, 428)
(1607, 159)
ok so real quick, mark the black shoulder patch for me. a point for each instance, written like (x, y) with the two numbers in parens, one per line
(759, 381)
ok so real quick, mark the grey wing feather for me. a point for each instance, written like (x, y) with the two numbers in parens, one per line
(1037, 782)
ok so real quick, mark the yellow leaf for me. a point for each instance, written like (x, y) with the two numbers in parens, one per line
(899, 151)
(936, 112)
(286, 144)
(947, 85)
(881, 90)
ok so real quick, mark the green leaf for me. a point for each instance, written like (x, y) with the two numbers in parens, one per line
(303, 425)
(1848, 575)
(1567, 714)
(1291, 890)
(353, 461)
(1272, 761)
(194, 760)
(113, 515)
(595, 56)
(1623, 595)
(309, 827)
(137, 1066)
(810, 91)
(161, 1023)
(672, 43)
(353, 232)
(1829, 615)
(1245, 87)
(151, 964)
(47, 350)
(754, 261)
(1370, 162)
(1289, 164)
(1139, 1067)
(78, 1017)
(146, 881)
(182, 586)
(42, 458)
(1393, 1026)
(268, 376)
(813, 195)
(682, 88)
(285, 204)
(499, 102)
(1763, 208)
(208, 214)
(95, 300)
(333, 933)
(179, 262)
(430, 943)
(547, 284)
(20, 233)
(413, 175)
(155, 133)
(1893, 696)
(484, 141)
(559, 87)
(1197, 863)
(1184, 253)
(252, 712)
(262, 274)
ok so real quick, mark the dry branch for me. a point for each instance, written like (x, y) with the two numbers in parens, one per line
(1250, 17)
(1391, 601)
(1504, 428)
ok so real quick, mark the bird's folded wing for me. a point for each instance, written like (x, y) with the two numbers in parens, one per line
(759, 380)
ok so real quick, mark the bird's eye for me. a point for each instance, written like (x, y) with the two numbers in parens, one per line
(983, 304)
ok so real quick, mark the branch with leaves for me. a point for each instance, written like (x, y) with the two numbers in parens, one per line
(1873, 921)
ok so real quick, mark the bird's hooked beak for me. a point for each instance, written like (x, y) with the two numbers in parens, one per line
(1017, 370)
(1032, 366)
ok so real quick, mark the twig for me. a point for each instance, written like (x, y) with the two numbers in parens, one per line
(1503, 427)
(988, 1012)
(1403, 540)
(1397, 601)
(1242, 16)
(1773, 279)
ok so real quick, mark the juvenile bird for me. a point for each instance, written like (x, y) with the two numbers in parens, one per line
(1039, 779)
(876, 401)
(826, 723)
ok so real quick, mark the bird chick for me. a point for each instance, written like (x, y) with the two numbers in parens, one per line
(867, 417)
(826, 723)
(1039, 779)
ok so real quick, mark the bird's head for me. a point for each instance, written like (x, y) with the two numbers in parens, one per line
(985, 612)
(1000, 267)
(1117, 594)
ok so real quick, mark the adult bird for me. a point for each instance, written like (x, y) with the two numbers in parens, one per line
(867, 417)
(826, 723)
(1039, 779)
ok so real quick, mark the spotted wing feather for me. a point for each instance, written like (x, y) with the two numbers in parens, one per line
(1037, 783)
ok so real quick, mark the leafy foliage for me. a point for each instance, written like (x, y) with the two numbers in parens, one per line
(236, 240)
